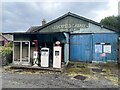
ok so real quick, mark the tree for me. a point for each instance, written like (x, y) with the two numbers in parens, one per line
(6, 53)
(112, 22)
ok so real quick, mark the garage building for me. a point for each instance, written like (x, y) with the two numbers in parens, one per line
(81, 39)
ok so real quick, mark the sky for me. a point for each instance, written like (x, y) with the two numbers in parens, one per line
(20, 16)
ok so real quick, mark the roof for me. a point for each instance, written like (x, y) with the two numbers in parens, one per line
(38, 28)
(8, 37)
(2, 38)
(33, 28)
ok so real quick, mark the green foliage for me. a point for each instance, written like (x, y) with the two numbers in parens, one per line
(5, 50)
(112, 21)
(9, 44)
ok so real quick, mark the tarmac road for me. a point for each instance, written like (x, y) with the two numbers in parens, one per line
(53, 80)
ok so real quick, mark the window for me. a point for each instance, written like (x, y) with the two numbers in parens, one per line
(44, 50)
(56, 53)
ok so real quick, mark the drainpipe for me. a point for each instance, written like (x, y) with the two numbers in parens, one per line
(66, 49)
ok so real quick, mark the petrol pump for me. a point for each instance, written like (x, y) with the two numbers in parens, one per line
(57, 55)
(35, 53)
(44, 57)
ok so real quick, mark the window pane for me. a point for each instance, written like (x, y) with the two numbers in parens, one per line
(56, 53)
(16, 51)
(25, 48)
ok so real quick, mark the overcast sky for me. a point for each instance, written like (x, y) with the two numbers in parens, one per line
(19, 16)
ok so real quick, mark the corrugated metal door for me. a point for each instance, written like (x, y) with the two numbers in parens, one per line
(81, 48)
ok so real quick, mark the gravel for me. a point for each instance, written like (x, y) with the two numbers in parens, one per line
(16, 80)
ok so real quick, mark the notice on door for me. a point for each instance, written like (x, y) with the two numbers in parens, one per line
(107, 48)
(98, 48)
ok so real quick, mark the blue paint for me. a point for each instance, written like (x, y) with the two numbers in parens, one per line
(106, 38)
(81, 48)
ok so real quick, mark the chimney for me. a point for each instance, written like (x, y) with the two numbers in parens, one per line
(43, 22)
